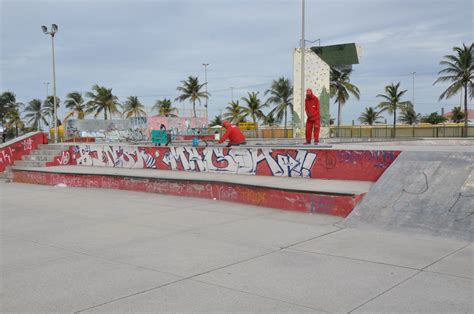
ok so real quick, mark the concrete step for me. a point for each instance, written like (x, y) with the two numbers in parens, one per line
(38, 157)
(46, 152)
(53, 147)
(29, 163)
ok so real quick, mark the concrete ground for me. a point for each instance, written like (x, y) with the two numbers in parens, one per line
(90, 250)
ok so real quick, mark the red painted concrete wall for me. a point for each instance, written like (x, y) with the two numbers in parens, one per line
(338, 205)
(364, 165)
(14, 151)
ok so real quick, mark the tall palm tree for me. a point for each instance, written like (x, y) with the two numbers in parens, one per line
(103, 100)
(281, 95)
(408, 115)
(234, 113)
(270, 119)
(133, 108)
(392, 102)
(192, 90)
(459, 71)
(164, 108)
(48, 108)
(340, 87)
(75, 103)
(370, 116)
(457, 115)
(254, 107)
(35, 114)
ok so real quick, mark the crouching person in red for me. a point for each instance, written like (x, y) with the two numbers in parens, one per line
(232, 133)
(314, 120)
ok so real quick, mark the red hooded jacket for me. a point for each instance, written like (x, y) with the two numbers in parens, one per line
(232, 133)
(312, 106)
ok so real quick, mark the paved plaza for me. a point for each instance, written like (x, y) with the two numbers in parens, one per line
(91, 250)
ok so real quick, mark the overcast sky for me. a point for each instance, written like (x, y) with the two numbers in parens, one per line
(145, 48)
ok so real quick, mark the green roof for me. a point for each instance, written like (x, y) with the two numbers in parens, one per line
(337, 55)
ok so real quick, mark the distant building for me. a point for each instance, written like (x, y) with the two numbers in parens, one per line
(470, 114)
(318, 62)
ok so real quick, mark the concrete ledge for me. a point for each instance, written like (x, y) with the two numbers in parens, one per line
(332, 197)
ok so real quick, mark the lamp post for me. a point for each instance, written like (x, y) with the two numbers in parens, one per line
(302, 65)
(54, 30)
(205, 78)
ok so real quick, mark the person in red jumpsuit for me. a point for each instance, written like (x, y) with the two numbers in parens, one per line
(313, 122)
(232, 133)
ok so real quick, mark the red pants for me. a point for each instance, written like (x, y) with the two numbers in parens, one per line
(310, 125)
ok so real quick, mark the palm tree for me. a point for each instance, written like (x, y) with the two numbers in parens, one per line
(133, 108)
(217, 121)
(165, 108)
(14, 120)
(392, 102)
(75, 103)
(192, 90)
(48, 107)
(457, 115)
(281, 94)
(102, 101)
(340, 87)
(370, 116)
(408, 115)
(235, 113)
(270, 119)
(35, 114)
(8, 104)
(254, 108)
(460, 71)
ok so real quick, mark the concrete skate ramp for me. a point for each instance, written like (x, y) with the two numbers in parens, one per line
(422, 193)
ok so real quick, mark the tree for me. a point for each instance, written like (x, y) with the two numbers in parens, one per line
(217, 121)
(192, 90)
(370, 116)
(75, 103)
(340, 87)
(457, 115)
(392, 102)
(103, 100)
(459, 70)
(270, 119)
(408, 115)
(235, 113)
(133, 108)
(165, 108)
(14, 121)
(48, 107)
(35, 114)
(254, 107)
(281, 95)
(8, 105)
(433, 118)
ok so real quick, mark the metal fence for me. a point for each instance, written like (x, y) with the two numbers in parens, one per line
(403, 131)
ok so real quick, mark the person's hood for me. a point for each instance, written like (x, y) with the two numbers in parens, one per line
(309, 93)
(226, 124)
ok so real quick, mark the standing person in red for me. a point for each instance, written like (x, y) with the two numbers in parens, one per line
(314, 120)
(232, 133)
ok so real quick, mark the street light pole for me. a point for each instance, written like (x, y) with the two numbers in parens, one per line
(205, 78)
(54, 30)
(302, 45)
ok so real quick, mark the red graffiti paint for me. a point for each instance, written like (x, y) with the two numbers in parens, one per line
(363, 165)
(18, 149)
(337, 205)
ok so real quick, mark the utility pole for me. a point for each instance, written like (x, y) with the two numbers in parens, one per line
(302, 45)
(205, 78)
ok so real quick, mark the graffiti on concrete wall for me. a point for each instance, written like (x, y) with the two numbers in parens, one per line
(299, 163)
(17, 149)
